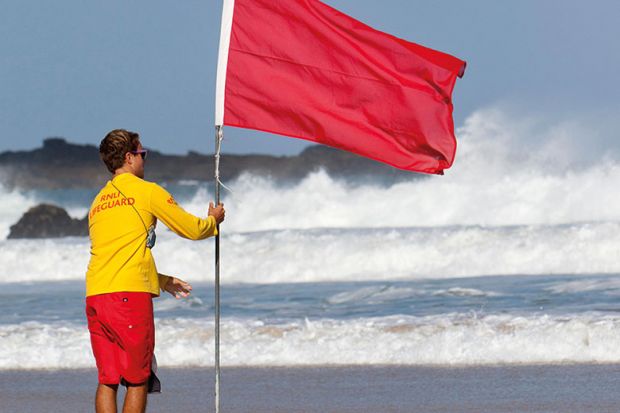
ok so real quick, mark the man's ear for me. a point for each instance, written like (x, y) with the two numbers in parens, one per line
(128, 159)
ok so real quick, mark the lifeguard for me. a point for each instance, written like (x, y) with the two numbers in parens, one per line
(122, 278)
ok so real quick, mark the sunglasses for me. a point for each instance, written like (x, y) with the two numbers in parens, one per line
(141, 152)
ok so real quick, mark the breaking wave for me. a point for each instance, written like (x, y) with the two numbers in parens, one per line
(450, 339)
(346, 254)
(519, 200)
(507, 172)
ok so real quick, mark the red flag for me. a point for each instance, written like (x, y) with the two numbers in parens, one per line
(303, 69)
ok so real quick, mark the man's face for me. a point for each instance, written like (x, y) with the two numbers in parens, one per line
(135, 161)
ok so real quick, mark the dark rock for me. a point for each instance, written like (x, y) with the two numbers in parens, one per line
(48, 221)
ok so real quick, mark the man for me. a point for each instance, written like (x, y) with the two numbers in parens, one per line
(122, 278)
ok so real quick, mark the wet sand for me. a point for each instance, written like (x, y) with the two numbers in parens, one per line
(555, 388)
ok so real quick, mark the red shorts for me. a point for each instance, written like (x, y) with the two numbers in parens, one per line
(122, 335)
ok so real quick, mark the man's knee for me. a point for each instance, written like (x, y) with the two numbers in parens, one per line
(134, 385)
(108, 387)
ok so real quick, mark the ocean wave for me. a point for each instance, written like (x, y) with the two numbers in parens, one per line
(450, 339)
(14, 204)
(528, 197)
(378, 293)
(609, 286)
(509, 170)
(346, 254)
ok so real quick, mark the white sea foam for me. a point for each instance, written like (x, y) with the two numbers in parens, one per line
(506, 207)
(347, 254)
(528, 197)
(43, 260)
(32, 345)
(509, 171)
(388, 254)
(13, 205)
(451, 339)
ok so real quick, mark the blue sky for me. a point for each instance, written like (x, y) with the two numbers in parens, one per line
(79, 68)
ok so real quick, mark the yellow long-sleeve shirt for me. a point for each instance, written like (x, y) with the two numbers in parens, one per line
(120, 259)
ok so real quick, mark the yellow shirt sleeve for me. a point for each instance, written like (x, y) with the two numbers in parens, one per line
(166, 209)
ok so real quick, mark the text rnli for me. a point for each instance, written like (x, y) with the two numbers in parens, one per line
(109, 201)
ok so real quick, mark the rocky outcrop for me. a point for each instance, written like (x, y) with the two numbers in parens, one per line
(60, 164)
(48, 221)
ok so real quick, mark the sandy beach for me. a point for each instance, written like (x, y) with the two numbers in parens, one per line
(503, 389)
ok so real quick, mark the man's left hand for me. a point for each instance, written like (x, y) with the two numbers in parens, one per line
(178, 288)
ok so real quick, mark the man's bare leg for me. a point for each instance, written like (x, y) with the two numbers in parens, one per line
(135, 399)
(105, 399)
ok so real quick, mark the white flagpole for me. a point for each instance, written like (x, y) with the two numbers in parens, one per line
(218, 146)
(222, 63)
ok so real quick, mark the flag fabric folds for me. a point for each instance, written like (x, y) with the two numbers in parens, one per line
(303, 69)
